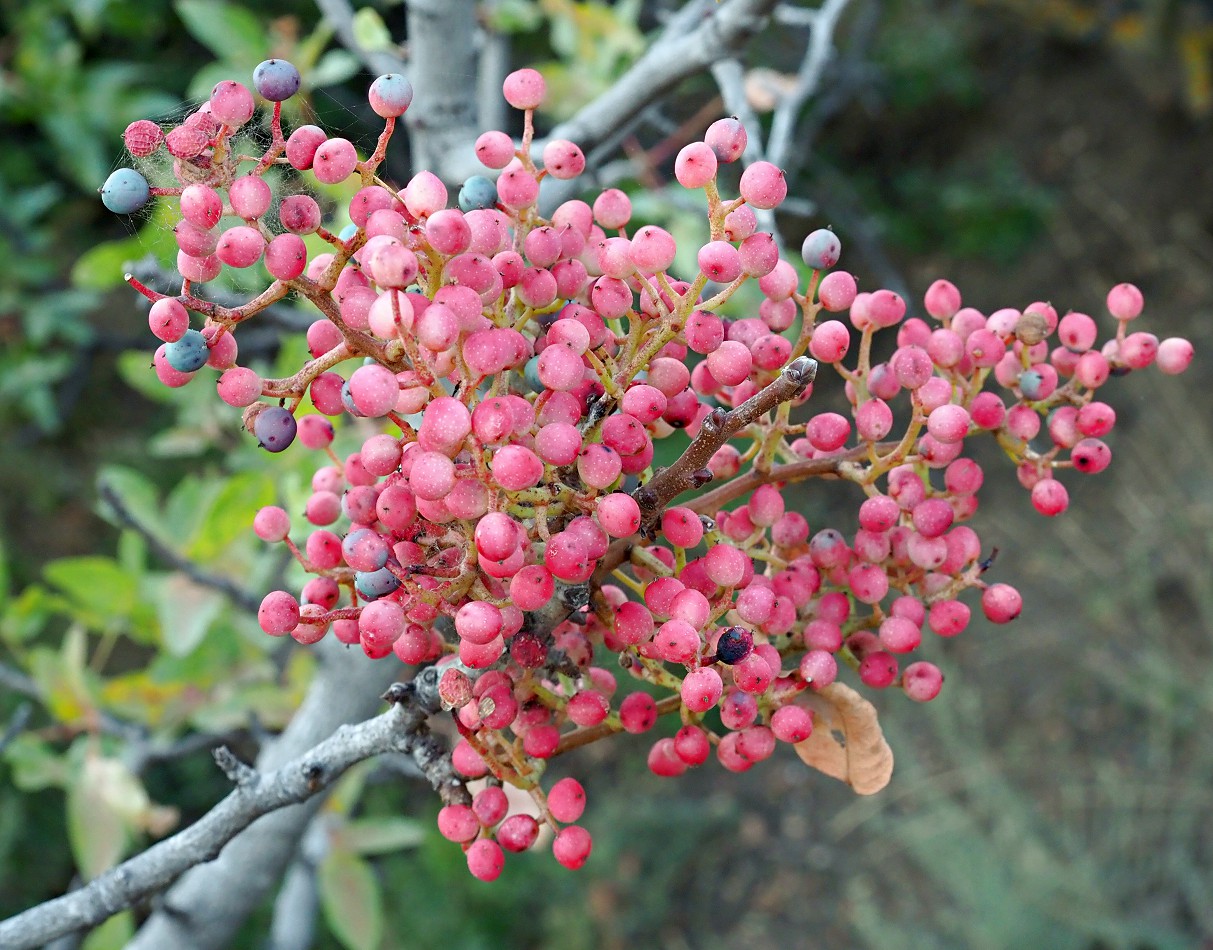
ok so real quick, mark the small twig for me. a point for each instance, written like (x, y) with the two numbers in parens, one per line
(238, 773)
(808, 78)
(126, 519)
(690, 471)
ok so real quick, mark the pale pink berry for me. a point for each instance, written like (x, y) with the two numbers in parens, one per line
(334, 160)
(612, 209)
(1125, 302)
(828, 431)
(1175, 355)
(619, 514)
(763, 185)
(730, 363)
(232, 103)
(942, 300)
(948, 423)
(241, 246)
(1001, 603)
(516, 467)
(239, 386)
(695, 165)
(524, 88)
(836, 291)
(250, 196)
(830, 341)
(494, 149)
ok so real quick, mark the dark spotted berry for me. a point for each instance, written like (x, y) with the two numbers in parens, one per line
(734, 645)
(274, 428)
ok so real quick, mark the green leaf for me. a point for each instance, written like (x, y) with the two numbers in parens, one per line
(228, 31)
(382, 834)
(102, 267)
(96, 832)
(25, 616)
(35, 764)
(351, 899)
(370, 32)
(231, 514)
(335, 66)
(99, 588)
(114, 934)
(186, 611)
(514, 16)
(4, 572)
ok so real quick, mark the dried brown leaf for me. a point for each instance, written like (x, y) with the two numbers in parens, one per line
(847, 742)
(765, 88)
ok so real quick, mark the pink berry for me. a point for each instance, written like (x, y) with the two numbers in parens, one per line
(232, 103)
(763, 185)
(566, 800)
(1125, 302)
(524, 89)
(922, 681)
(695, 165)
(701, 689)
(1049, 497)
(572, 846)
(1174, 355)
(485, 860)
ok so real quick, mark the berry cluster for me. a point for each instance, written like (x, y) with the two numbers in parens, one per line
(503, 517)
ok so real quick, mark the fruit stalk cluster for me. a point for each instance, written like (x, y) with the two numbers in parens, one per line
(505, 378)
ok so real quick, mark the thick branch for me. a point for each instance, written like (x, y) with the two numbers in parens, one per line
(690, 471)
(685, 48)
(257, 794)
(210, 902)
(443, 61)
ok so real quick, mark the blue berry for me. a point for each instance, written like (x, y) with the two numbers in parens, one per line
(274, 428)
(530, 373)
(734, 645)
(1030, 382)
(821, 249)
(189, 354)
(348, 401)
(375, 584)
(477, 192)
(390, 95)
(276, 80)
(125, 191)
(347, 232)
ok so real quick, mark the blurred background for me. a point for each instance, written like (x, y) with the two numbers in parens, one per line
(1058, 793)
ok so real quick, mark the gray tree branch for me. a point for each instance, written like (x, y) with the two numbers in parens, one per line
(210, 902)
(287, 789)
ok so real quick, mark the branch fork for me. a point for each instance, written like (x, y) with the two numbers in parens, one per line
(691, 471)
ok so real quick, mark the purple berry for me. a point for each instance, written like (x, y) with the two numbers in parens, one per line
(276, 80)
(274, 428)
(734, 645)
